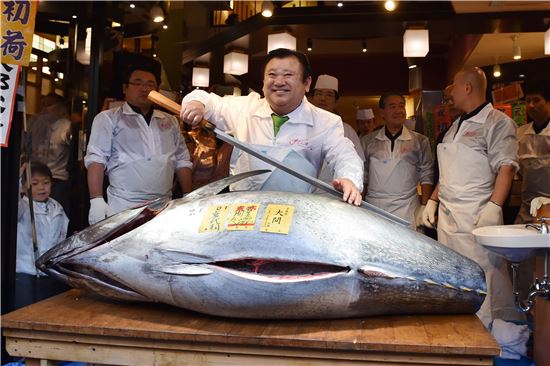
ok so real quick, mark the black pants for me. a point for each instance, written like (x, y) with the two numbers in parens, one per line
(30, 289)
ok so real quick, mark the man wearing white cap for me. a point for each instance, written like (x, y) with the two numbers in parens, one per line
(365, 121)
(325, 96)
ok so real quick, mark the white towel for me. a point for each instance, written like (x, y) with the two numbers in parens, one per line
(512, 338)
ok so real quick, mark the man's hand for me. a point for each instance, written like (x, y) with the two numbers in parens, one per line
(429, 213)
(418, 215)
(490, 214)
(351, 193)
(192, 112)
(99, 210)
(537, 203)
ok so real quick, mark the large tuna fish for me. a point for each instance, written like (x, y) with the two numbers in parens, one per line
(267, 255)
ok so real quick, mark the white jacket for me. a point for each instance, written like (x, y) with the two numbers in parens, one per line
(313, 133)
(140, 159)
(51, 228)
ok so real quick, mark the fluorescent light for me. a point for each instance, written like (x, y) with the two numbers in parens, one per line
(547, 42)
(235, 63)
(281, 40)
(390, 5)
(416, 43)
(516, 49)
(157, 14)
(201, 77)
(496, 71)
(267, 8)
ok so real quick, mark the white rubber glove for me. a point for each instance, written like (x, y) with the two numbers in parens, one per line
(537, 203)
(418, 215)
(429, 213)
(99, 210)
(490, 214)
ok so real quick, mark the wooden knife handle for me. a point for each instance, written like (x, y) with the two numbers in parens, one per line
(157, 98)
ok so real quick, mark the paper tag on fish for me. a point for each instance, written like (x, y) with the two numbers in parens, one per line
(215, 219)
(243, 216)
(277, 219)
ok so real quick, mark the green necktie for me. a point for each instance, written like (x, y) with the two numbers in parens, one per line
(278, 121)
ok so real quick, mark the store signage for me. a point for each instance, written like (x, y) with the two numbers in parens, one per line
(8, 91)
(18, 18)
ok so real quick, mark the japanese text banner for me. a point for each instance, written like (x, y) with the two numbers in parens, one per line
(18, 17)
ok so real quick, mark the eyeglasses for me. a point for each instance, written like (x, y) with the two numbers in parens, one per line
(139, 84)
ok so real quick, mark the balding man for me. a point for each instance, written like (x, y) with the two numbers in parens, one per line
(477, 162)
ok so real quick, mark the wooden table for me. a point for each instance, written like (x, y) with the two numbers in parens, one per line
(78, 327)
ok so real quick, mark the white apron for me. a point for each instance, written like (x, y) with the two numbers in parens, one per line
(278, 180)
(135, 182)
(390, 188)
(462, 196)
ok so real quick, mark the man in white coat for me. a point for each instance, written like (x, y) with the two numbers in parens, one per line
(138, 147)
(534, 149)
(477, 162)
(325, 96)
(365, 121)
(284, 125)
(397, 160)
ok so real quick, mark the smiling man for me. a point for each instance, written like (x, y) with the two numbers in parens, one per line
(397, 160)
(285, 126)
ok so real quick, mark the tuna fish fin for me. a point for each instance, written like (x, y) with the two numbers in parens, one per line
(186, 269)
(217, 186)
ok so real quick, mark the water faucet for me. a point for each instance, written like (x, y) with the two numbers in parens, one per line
(544, 225)
(542, 228)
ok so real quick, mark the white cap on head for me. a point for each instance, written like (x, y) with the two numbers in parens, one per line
(365, 113)
(326, 82)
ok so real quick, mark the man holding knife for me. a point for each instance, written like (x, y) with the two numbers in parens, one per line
(283, 125)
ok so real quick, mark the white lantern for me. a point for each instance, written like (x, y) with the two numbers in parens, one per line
(280, 40)
(201, 77)
(416, 43)
(547, 42)
(235, 63)
(84, 48)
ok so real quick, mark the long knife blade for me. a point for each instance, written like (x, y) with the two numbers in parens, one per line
(174, 107)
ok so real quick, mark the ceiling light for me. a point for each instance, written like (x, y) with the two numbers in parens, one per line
(201, 77)
(74, 16)
(496, 71)
(411, 62)
(521, 75)
(516, 48)
(154, 55)
(416, 43)
(547, 42)
(281, 40)
(340, 4)
(132, 5)
(235, 63)
(164, 26)
(157, 14)
(267, 8)
(390, 5)
(309, 44)
(364, 46)
(84, 48)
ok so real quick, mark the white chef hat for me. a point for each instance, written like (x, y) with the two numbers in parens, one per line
(365, 114)
(326, 82)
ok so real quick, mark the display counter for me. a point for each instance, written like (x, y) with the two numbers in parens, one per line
(76, 326)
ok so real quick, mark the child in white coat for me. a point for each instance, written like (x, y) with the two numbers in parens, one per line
(51, 228)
